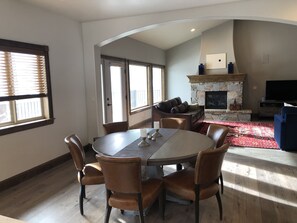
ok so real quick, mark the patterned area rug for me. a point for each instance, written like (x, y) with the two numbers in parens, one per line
(247, 134)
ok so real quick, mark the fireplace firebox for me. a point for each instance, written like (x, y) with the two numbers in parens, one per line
(216, 99)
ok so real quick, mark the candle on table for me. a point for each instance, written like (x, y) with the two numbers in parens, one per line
(143, 133)
(156, 125)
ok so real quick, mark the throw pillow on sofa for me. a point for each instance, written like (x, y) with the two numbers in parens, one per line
(174, 102)
(174, 110)
(179, 101)
(182, 108)
(165, 106)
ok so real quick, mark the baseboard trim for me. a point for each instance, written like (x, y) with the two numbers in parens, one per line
(26, 175)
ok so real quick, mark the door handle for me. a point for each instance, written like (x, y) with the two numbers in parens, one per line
(109, 104)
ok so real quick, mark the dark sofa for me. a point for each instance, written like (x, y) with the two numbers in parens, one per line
(175, 108)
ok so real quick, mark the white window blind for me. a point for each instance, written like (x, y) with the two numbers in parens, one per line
(25, 94)
(22, 74)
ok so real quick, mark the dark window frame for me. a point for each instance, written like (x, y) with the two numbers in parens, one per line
(21, 47)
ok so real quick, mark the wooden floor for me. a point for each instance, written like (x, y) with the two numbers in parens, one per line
(260, 186)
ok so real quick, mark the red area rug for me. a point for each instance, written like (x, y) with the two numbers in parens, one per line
(247, 134)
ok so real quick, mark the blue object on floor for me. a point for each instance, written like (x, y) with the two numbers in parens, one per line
(285, 128)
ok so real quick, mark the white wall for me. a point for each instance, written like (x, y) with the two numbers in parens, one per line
(105, 31)
(218, 40)
(184, 59)
(181, 61)
(131, 49)
(27, 149)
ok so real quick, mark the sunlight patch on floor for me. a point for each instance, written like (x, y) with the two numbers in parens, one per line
(256, 193)
(271, 155)
(253, 173)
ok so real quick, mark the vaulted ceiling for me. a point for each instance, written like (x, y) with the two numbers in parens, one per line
(163, 37)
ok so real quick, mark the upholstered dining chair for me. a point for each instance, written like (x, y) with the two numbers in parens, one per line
(201, 182)
(218, 133)
(115, 127)
(87, 174)
(173, 123)
(125, 189)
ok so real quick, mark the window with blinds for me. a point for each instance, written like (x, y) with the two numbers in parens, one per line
(25, 94)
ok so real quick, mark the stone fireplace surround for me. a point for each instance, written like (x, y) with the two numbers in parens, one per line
(232, 83)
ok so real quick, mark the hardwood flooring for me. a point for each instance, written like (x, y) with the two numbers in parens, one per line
(260, 186)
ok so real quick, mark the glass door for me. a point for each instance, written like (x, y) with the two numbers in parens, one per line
(114, 91)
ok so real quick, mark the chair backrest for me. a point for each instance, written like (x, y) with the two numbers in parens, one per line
(76, 150)
(208, 165)
(116, 127)
(217, 133)
(122, 175)
(173, 123)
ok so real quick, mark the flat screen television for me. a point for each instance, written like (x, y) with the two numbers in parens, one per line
(281, 90)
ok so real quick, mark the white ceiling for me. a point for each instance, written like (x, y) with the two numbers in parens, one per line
(163, 37)
(166, 37)
(89, 10)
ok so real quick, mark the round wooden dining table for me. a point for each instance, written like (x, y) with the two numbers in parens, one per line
(175, 146)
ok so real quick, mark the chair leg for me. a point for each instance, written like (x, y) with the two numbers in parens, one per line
(81, 199)
(108, 207)
(162, 203)
(197, 198)
(107, 213)
(220, 205)
(141, 218)
(222, 184)
(84, 191)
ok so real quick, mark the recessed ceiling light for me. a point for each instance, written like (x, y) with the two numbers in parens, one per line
(193, 30)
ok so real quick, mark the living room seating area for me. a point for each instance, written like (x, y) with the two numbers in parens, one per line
(175, 108)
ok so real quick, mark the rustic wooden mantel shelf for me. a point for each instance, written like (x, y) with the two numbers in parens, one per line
(216, 78)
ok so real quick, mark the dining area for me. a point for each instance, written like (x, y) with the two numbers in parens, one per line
(131, 163)
(257, 185)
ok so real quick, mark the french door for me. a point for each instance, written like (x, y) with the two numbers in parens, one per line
(114, 91)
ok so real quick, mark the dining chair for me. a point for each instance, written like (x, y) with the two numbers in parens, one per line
(87, 174)
(201, 182)
(218, 133)
(173, 123)
(125, 189)
(115, 127)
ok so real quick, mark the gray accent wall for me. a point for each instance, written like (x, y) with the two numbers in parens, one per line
(264, 51)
